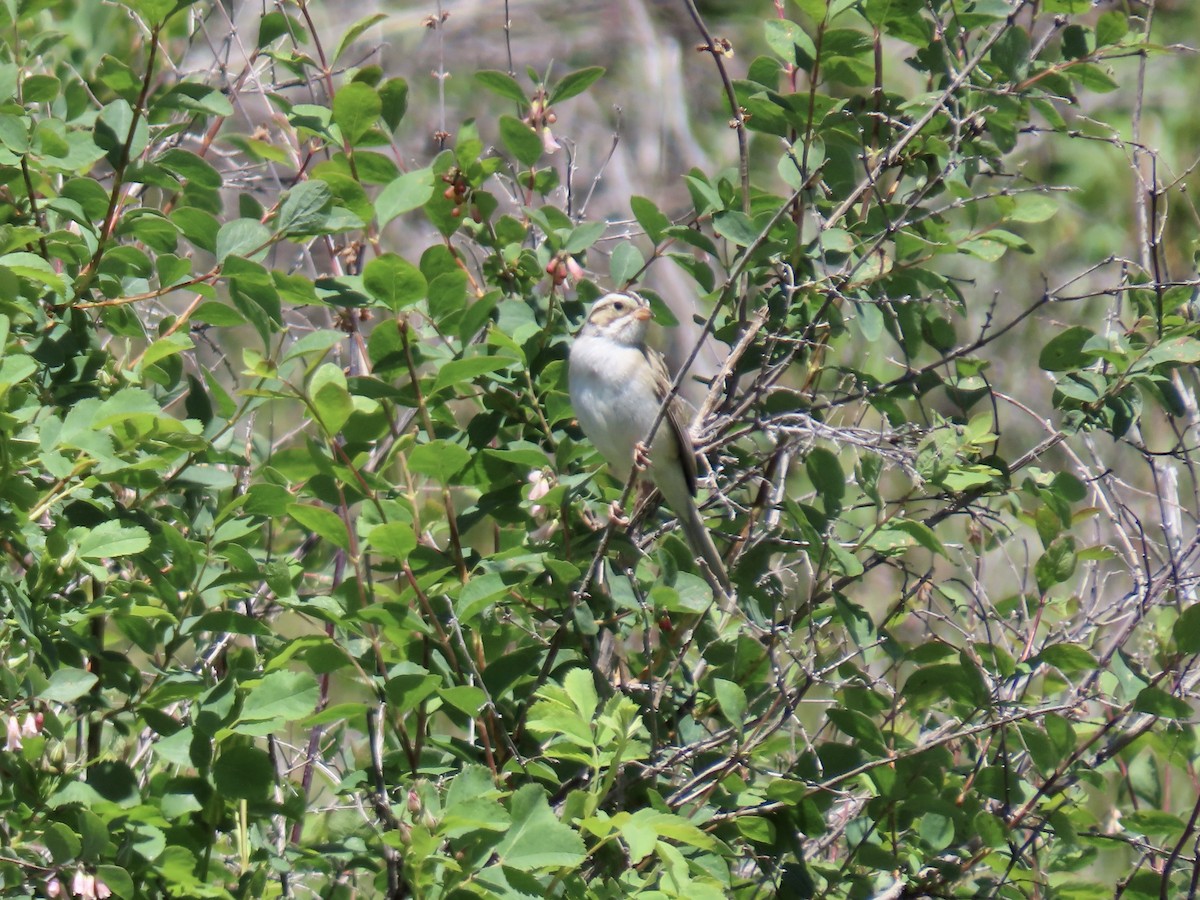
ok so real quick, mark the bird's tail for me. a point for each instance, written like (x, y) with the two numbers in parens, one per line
(700, 540)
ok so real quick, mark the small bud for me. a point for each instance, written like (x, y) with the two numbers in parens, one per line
(32, 726)
(83, 885)
(14, 734)
(539, 484)
(557, 270)
(414, 802)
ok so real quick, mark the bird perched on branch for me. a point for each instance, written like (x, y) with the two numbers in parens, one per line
(617, 386)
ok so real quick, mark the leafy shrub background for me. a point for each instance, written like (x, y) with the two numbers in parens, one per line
(302, 590)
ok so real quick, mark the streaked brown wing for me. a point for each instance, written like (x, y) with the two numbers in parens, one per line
(676, 419)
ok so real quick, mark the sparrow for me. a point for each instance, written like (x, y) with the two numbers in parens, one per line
(617, 385)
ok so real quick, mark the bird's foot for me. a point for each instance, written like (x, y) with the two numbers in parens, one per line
(617, 516)
(641, 456)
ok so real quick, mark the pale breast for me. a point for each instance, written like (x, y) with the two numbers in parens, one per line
(613, 399)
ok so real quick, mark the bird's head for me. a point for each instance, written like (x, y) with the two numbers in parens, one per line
(621, 317)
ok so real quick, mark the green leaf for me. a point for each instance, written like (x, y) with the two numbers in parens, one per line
(278, 698)
(1186, 630)
(457, 371)
(14, 133)
(93, 831)
(112, 539)
(1011, 53)
(937, 830)
(1094, 78)
(1111, 27)
(117, 75)
(478, 594)
(410, 191)
(394, 281)
(114, 127)
(785, 38)
(410, 686)
(736, 227)
(220, 315)
(447, 296)
(33, 267)
(536, 838)
(189, 167)
(1152, 822)
(1173, 351)
(64, 845)
(241, 237)
(156, 12)
(522, 141)
(921, 533)
(825, 472)
(275, 25)
(394, 95)
(1158, 702)
(244, 773)
(581, 689)
(625, 264)
(356, 108)
(40, 89)
(1032, 208)
(198, 226)
(757, 829)
(857, 725)
(438, 459)
(466, 699)
(196, 98)
(67, 685)
(226, 621)
(117, 880)
(1057, 564)
(1064, 351)
(394, 539)
(355, 31)
(583, 237)
(322, 522)
(158, 233)
(330, 398)
(574, 83)
(732, 700)
(305, 208)
(650, 217)
(503, 84)
(1069, 658)
(314, 345)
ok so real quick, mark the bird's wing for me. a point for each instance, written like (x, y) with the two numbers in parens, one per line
(676, 419)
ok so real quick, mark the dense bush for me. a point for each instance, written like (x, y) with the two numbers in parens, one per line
(309, 587)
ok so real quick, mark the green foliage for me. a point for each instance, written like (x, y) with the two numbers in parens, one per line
(302, 587)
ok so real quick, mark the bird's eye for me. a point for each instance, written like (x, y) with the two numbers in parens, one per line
(619, 306)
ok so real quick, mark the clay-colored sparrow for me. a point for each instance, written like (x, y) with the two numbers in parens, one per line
(617, 385)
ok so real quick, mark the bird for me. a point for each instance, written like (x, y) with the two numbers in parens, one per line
(617, 385)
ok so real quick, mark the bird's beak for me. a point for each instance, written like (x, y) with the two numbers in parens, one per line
(643, 314)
